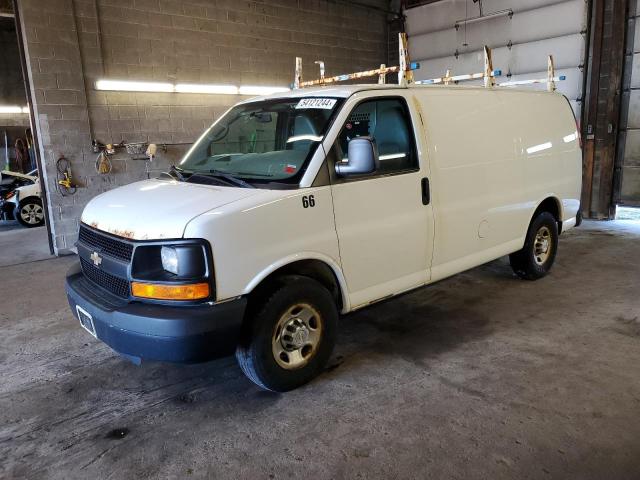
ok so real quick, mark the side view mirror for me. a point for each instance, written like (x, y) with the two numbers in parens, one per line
(362, 158)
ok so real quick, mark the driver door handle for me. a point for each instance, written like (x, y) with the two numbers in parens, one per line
(426, 193)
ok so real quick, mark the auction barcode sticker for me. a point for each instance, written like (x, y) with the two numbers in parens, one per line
(324, 103)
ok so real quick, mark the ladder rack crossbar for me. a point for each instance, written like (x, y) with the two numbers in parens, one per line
(355, 75)
(532, 81)
(457, 78)
(405, 72)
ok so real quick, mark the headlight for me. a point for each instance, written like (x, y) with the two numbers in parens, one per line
(174, 270)
(169, 256)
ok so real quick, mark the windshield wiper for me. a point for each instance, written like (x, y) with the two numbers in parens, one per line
(228, 177)
(177, 173)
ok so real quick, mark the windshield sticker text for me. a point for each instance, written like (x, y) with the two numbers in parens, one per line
(323, 103)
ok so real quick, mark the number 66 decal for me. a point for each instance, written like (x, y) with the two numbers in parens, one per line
(308, 201)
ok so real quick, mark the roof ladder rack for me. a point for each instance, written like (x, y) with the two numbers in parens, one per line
(551, 79)
(404, 70)
(489, 74)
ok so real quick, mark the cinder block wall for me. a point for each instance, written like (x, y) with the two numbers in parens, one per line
(71, 43)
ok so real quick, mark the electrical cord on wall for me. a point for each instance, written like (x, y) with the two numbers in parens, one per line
(66, 185)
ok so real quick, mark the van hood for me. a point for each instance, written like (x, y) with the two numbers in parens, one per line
(156, 209)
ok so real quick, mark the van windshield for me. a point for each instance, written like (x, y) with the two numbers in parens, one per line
(262, 142)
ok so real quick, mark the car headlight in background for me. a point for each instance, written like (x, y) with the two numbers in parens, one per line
(169, 257)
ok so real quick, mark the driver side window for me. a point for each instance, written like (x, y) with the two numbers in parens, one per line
(388, 123)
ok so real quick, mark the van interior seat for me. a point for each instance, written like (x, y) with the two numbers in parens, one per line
(302, 125)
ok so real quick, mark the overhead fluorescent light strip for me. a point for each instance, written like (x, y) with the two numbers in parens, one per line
(13, 109)
(210, 89)
(126, 86)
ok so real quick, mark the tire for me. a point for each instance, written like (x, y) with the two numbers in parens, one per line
(306, 311)
(540, 247)
(29, 212)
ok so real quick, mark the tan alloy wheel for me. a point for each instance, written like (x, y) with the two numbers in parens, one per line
(297, 336)
(542, 246)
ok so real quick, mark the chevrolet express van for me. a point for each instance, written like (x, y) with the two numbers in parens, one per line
(295, 208)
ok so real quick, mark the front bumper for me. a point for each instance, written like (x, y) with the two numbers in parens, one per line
(181, 334)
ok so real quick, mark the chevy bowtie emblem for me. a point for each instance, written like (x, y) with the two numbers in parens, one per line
(96, 259)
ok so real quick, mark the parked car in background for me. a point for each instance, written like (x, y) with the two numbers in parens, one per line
(20, 198)
(296, 207)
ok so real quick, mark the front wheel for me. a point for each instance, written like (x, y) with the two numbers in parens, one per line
(30, 213)
(289, 336)
(540, 247)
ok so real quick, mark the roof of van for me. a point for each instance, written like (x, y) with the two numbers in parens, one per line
(340, 91)
(344, 91)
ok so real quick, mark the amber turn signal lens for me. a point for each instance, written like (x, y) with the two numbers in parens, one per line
(193, 291)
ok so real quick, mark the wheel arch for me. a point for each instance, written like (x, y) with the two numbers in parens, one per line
(552, 205)
(319, 267)
(24, 199)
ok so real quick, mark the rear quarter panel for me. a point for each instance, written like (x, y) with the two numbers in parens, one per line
(495, 154)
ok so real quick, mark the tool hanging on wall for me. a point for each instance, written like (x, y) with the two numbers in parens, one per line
(66, 186)
(151, 154)
(103, 164)
(108, 148)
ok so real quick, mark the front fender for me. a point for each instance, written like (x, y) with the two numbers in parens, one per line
(275, 266)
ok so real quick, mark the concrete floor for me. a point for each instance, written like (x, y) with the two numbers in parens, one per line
(21, 245)
(479, 376)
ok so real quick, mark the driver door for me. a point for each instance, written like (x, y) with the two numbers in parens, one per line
(383, 220)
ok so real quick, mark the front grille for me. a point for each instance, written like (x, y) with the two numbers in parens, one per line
(116, 285)
(105, 244)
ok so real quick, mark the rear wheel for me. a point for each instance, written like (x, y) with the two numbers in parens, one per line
(289, 336)
(540, 247)
(29, 212)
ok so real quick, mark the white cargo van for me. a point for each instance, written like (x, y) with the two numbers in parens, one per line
(296, 207)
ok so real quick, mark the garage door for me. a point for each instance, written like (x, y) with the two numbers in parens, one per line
(629, 135)
(520, 42)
